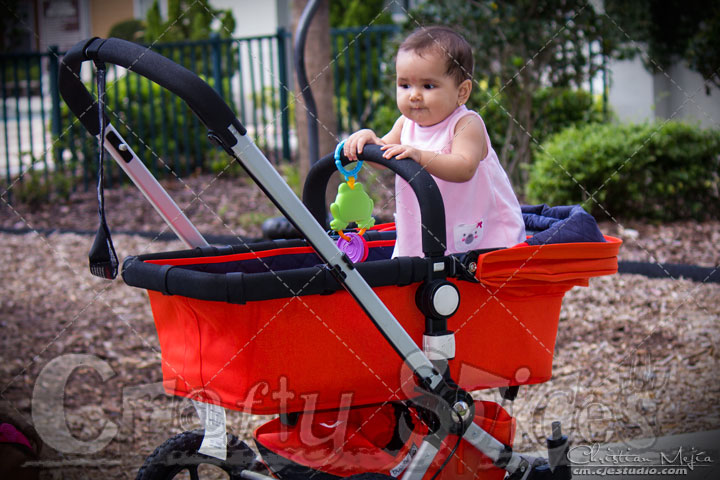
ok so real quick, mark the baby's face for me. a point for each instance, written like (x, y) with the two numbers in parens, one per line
(425, 94)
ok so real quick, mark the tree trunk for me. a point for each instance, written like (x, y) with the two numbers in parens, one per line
(508, 145)
(523, 131)
(318, 63)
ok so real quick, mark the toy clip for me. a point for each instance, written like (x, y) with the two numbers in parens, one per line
(345, 173)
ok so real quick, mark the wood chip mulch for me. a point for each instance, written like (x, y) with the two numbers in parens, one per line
(635, 357)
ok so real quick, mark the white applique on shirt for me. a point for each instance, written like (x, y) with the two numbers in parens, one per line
(468, 236)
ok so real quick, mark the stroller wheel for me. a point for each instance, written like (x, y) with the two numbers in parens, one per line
(180, 453)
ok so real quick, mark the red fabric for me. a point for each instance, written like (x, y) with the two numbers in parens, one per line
(383, 227)
(304, 353)
(341, 442)
(236, 257)
(468, 463)
(345, 443)
(562, 263)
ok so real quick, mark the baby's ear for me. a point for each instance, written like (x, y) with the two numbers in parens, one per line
(464, 90)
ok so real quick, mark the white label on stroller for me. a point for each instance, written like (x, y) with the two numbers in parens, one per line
(214, 442)
(400, 468)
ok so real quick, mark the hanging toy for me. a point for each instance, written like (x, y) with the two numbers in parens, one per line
(352, 204)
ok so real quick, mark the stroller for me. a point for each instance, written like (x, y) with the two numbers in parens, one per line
(331, 347)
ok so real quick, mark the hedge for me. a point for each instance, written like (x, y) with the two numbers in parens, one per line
(557, 109)
(661, 172)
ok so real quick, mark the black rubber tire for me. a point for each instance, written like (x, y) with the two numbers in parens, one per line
(181, 453)
(279, 228)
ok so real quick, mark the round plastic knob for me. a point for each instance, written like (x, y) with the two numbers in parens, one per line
(356, 249)
(438, 299)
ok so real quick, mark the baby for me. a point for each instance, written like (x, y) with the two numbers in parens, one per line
(434, 79)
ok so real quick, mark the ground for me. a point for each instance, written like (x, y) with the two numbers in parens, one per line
(634, 358)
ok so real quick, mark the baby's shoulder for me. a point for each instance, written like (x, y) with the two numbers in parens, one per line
(470, 123)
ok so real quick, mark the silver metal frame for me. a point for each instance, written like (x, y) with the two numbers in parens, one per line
(154, 192)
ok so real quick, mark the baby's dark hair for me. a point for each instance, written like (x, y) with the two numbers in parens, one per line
(448, 43)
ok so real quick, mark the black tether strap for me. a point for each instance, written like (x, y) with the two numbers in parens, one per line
(103, 259)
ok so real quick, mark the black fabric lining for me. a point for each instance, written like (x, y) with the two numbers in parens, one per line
(278, 263)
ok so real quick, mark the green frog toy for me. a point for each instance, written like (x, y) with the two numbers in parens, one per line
(352, 204)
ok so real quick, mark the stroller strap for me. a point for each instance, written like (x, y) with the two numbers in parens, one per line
(102, 257)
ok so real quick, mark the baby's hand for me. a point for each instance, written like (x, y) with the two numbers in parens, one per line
(400, 152)
(355, 142)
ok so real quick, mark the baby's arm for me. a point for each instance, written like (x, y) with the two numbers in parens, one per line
(355, 142)
(468, 149)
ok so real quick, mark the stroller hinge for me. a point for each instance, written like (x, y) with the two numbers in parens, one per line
(447, 409)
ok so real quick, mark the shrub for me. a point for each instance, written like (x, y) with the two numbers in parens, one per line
(384, 117)
(131, 30)
(38, 187)
(650, 171)
(564, 107)
(558, 109)
(157, 125)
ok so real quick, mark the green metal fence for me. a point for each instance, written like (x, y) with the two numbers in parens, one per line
(25, 113)
(359, 72)
(40, 136)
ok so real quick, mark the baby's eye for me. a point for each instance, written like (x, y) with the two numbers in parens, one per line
(403, 85)
(429, 86)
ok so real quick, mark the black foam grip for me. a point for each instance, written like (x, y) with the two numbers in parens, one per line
(202, 99)
(432, 209)
(238, 287)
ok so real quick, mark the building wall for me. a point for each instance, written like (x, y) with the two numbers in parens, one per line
(141, 7)
(631, 94)
(104, 14)
(62, 23)
(677, 93)
(254, 17)
(258, 18)
(682, 94)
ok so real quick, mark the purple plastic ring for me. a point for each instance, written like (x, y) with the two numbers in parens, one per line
(356, 249)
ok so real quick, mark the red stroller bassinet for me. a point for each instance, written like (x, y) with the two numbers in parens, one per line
(233, 326)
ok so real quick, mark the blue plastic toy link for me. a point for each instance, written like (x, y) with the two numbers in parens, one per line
(341, 169)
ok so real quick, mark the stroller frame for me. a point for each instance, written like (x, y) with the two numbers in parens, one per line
(452, 406)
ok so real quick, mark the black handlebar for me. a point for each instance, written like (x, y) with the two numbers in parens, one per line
(202, 99)
(432, 210)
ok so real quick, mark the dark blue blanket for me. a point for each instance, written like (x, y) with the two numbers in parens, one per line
(566, 224)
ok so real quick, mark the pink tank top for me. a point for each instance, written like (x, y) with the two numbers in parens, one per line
(480, 213)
